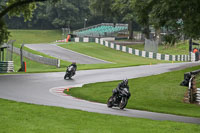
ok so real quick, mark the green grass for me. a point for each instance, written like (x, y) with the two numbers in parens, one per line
(158, 93)
(178, 49)
(35, 36)
(118, 58)
(18, 117)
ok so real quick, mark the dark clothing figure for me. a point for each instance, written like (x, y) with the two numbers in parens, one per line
(120, 87)
(74, 67)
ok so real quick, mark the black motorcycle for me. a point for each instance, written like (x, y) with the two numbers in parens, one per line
(119, 100)
(69, 72)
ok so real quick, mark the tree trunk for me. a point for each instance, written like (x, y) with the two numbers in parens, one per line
(147, 32)
(130, 29)
(158, 35)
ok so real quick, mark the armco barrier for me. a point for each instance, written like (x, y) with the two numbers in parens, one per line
(192, 81)
(6, 66)
(137, 52)
(38, 58)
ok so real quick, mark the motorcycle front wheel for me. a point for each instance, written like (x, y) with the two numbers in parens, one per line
(110, 102)
(123, 102)
(65, 76)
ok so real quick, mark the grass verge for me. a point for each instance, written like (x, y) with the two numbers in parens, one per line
(118, 58)
(27, 118)
(158, 93)
(181, 48)
(35, 36)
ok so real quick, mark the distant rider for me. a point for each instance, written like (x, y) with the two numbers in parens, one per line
(74, 66)
(120, 87)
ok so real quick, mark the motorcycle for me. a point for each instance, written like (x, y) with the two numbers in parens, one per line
(119, 100)
(69, 72)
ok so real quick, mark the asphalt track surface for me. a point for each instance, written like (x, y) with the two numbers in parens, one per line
(64, 54)
(47, 89)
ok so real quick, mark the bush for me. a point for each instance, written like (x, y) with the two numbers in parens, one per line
(170, 39)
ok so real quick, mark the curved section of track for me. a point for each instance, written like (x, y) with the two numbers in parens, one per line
(34, 88)
(102, 108)
(65, 54)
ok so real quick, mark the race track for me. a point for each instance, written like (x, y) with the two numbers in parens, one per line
(65, 54)
(46, 89)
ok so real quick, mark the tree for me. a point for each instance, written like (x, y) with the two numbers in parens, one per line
(124, 8)
(16, 8)
(68, 13)
(102, 7)
(143, 10)
(65, 13)
(118, 10)
(180, 16)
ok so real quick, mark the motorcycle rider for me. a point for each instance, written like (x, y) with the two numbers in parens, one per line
(120, 87)
(74, 66)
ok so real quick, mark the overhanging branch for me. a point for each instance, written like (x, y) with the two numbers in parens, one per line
(17, 4)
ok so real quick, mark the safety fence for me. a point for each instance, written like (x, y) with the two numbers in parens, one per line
(6, 66)
(38, 58)
(137, 52)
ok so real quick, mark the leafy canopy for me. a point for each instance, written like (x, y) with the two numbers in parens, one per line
(16, 8)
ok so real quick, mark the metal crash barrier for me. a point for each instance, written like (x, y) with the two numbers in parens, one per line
(6, 66)
(192, 81)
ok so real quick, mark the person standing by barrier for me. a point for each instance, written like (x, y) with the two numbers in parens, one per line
(196, 51)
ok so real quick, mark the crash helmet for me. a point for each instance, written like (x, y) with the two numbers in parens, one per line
(125, 82)
(74, 63)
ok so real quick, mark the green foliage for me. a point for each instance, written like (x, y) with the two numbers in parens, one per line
(124, 8)
(180, 16)
(102, 7)
(65, 13)
(170, 39)
(16, 8)
(3, 32)
(17, 11)
(118, 10)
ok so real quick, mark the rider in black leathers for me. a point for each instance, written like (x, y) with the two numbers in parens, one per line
(74, 66)
(123, 84)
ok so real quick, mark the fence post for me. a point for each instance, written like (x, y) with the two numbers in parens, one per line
(22, 69)
(58, 64)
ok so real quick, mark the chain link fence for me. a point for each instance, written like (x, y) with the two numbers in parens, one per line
(151, 45)
(37, 58)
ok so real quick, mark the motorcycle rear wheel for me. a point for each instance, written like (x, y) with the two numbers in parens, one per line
(123, 102)
(110, 102)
